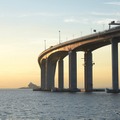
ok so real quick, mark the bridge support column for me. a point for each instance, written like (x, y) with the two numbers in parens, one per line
(72, 71)
(43, 75)
(47, 81)
(115, 84)
(88, 71)
(50, 73)
(60, 74)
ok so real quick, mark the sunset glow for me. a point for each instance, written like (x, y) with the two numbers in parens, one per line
(25, 24)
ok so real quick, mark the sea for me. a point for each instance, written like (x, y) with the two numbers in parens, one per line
(26, 104)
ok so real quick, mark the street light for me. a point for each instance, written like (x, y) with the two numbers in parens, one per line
(45, 44)
(103, 26)
(81, 34)
(93, 30)
(59, 37)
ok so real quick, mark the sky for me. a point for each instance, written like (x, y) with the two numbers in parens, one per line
(26, 24)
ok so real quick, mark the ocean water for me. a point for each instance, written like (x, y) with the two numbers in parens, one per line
(20, 104)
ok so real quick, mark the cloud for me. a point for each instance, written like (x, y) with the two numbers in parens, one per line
(80, 20)
(38, 14)
(99, 13)
(105, 21)
(71, 20)
(105, 14)
(24, 15)
(10, 15)
(88, 21)
(113, 3)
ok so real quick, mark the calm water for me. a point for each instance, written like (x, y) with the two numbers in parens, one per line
(29, 105)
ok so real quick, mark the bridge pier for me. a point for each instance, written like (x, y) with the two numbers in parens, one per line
(88, 71)
(72, 71)
(60, 74)
(50, 73)
(43, 74)
(48, 58)
(47, 74)
(115, 85)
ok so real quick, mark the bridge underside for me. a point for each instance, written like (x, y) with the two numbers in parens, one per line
(93, 46)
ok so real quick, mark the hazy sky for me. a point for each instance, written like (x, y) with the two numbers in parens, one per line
(25, 24)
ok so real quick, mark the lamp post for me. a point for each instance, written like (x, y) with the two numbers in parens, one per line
(73, 36)
(81, 34)
(59, 37)
(91, 30)
(45, 44)
(103, 26)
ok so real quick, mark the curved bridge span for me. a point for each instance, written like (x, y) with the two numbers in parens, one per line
(49, 58)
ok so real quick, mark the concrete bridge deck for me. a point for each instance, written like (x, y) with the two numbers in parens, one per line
(48, 59)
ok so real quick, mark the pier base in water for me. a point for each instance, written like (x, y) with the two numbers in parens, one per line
(112, 91)
(78, 90)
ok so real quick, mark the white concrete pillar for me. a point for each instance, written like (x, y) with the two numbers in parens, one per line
(72, 70)
(60, 74)
(88, 71)
(115, 80)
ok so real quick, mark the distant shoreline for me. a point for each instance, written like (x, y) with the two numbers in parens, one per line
(24, 88)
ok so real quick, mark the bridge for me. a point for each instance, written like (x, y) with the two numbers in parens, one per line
(55, 54)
